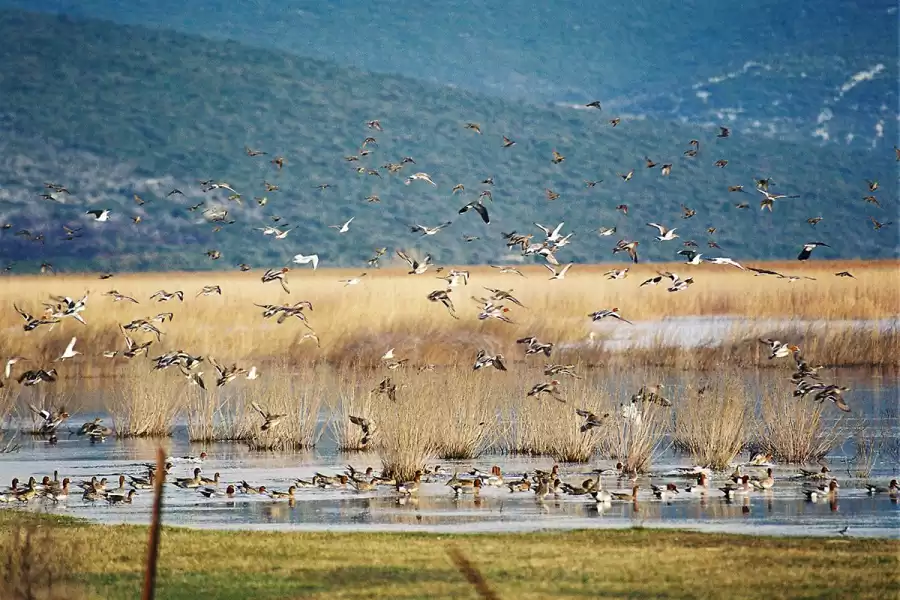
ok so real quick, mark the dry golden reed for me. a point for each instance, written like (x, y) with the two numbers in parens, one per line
(144, 404)
(793, 430)
(712, 421)
(356, 324)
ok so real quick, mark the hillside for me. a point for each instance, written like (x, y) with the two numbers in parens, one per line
(110, 111)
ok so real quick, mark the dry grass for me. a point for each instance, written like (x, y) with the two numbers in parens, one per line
(545, 427)
(231, 325)
(298, 396)
(867, 445)
(712, 424)
(793, 430)
(352, 398)
(466, 405)
(145, 404)
(637, 436)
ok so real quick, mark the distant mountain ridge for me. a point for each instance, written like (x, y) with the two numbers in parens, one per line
(775, 68)
(113, 111)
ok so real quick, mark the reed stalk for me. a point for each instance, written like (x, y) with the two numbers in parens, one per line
(712, 421)
(794, 430)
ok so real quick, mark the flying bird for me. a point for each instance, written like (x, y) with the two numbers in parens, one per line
(342, 228)
(808, 248)
(300, 259)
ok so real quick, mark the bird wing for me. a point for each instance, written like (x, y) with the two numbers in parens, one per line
(402, 255)
(259, 409)
(481, 209)
(661, 228)
(70, 347)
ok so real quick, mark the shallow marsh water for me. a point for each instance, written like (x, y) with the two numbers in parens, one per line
(780, 511)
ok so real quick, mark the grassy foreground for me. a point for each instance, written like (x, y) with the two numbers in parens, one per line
(636, 563)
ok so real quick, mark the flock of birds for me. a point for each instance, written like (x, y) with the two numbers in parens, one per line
(756, 476)
(495, 305)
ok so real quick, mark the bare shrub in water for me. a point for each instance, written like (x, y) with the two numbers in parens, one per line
(712, 422)
(352, 399)
(406, 433)
(639, 428)
(466, 410)
(547, 427)
(146, 404)
(794, 430)
(299, 398)
(867, 444)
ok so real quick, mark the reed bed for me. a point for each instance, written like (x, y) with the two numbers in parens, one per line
(555, 310)
(793, 430)
(639, 430)
(8, 401)
(712, 421)
(867, 444)
(145, 404)
(547, 427)
(354, 399)
(466, 404)
(299, 397)
(408, 435)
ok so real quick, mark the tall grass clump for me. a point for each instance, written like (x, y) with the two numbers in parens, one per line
(299, 397)
(547, 427)
(795, 430)
(146, 404)
(8, 399)
(351, 399)
(712, 423)
(37, 564)
(215, 416)
(465, 407)
(637, 432)
(407, 437)
(867, 444)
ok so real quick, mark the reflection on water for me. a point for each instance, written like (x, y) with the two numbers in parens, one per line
(782, 510)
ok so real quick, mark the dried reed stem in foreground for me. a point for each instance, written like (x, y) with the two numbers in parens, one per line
(146, 404)
(37, 563)
(712, 425)
(793, 430)
(472, 574)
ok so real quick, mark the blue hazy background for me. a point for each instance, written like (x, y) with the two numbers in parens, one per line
(113, 99)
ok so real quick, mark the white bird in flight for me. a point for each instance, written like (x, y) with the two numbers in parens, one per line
(99, 215)
(552, 236)
(428, 230)
(70, 351)
(665, 234)
(353, 281)
(561, 274)
(305, 260)
(342, 228)
(420, 177)
(725, 261)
